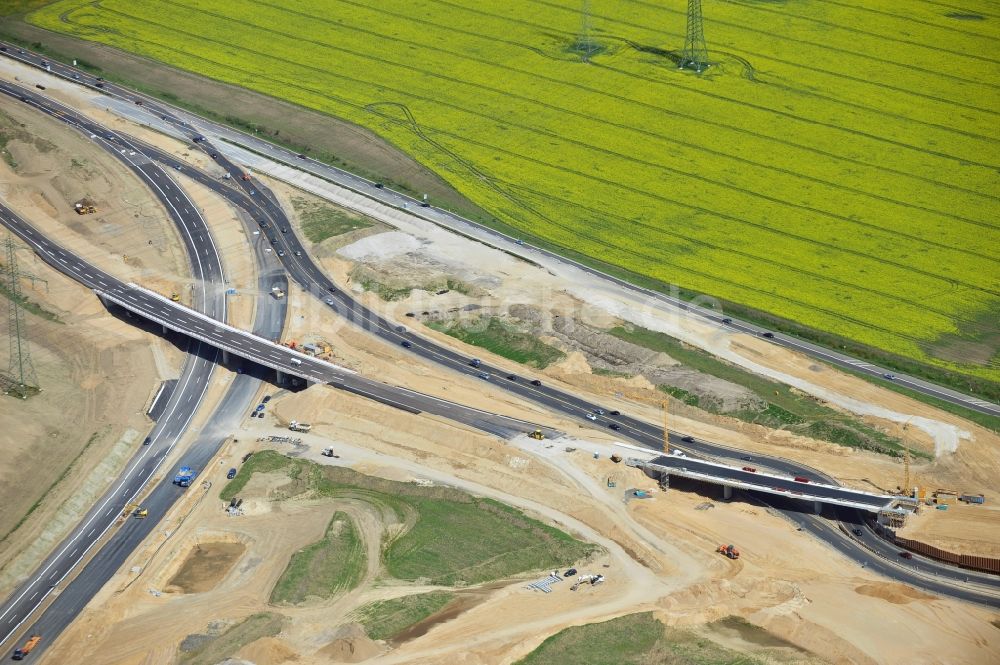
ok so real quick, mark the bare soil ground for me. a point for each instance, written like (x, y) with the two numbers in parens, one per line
(660, 556)
(354, 146)
(97, 373)
(206, 564)
(963, 529)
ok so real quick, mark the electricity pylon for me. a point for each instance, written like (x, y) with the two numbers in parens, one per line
(21, 373)
(695, 53)
(584, 46)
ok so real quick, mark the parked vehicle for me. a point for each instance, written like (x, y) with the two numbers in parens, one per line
(231, 474)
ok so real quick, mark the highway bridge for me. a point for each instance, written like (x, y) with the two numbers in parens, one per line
(750, 478)
(308, 275)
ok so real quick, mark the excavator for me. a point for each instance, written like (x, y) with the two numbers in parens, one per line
(729, 550)
(537, 435)
(136, 510)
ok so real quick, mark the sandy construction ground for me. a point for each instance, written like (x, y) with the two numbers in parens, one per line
(659, 555)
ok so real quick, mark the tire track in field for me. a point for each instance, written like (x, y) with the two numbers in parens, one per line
(558, 137)
(763, 8)
(821, 123)
(903, 17)
(617, 98)
(497, 149)
(659, 259)
(956, 9)
(625, 250)
(762, 34)
(805, 90)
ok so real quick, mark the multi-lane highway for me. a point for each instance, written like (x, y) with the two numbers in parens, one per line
(199, 125)
(309, 276)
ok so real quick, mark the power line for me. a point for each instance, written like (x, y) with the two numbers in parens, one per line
(20, 378)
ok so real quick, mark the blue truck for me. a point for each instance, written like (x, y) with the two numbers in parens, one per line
(184, 476)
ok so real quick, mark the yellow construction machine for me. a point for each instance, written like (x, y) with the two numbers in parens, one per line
(136, 511)
(84, 207)
(537, 435)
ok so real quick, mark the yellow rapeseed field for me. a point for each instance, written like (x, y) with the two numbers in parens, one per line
(838, 165)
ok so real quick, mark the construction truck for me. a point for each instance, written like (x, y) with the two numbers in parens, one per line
(296, 426)
(28, 647)
(328, 452)
(175, 296)
(277, 292)
(537, 435)
(184, 476)
(729, 550)
(84, 208)
(136, 511)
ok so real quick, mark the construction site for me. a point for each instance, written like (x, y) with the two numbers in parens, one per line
(335, 528)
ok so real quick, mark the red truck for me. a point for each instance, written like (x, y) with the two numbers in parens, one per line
(801, 479)
(750, 469)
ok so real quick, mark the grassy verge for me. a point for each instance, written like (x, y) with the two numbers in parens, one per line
(28, 305)
(632, 639)
(455, 539)
(387, 292)
(331, 565)
(221, 647)
(786, 408)
(384, 619)
(321, 221)
(503, 340)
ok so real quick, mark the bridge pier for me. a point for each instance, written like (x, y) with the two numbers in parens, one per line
(817, 507)
(281, 376)
(166, 330)
(727, 492)
(225, 357)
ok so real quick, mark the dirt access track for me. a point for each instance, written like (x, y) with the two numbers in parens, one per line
(660, 556)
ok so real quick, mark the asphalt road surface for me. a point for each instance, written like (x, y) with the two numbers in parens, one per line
(308, 276)
(198, 125)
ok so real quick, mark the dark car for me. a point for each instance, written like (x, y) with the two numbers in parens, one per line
(687, 439)
(298, 253)
(616, 412)
(400, 329)
(906, 555)
(98, 85)
(857, 532)
(138, 102)
(231, 474)
(379, 185)
(267, 398)
(284, 229)
(536, 382)
(148, 441)
(570, 573)
(407, 343)
(301, 156)
(215, 155)
(40, 86)
(727, 320)
(274, 241)
(614, 426)
(769, 335)
(281, 252)
(746, 458)
(331, 289)
(511, 377)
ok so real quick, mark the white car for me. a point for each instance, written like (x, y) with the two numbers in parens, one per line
(591, 416)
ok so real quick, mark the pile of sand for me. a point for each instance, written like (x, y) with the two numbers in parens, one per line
(894, 592)
(351, 646)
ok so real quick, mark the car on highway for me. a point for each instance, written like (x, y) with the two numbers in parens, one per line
(591, 416)
(857, 532)
(727, 320)
(231, 474)
(284, 229)
(769, 335)
(599, 412)
(687, 439)
(536, 382)
(891, 377)
(76, 76)
(329, 301)
(379, 185)
(475, 362)
(406, 344)
(148, 440)
(300, 156)
(616, 412)
(747, 458)
(400, 329)
(331, 289)
(483, 375)
(281, 252)
(906, 555)
(274, 241)
(614, 426)
(511, 377)
(298, 253)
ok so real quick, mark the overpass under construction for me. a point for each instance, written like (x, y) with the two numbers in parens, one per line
(749, 478)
